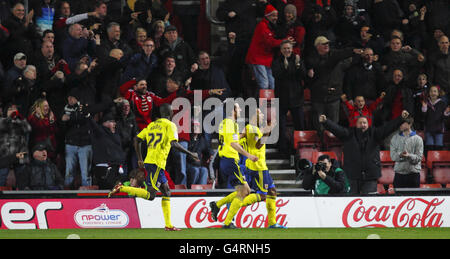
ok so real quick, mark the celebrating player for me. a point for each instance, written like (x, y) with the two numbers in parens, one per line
(261, 181)
(229, 150)
(160, 136)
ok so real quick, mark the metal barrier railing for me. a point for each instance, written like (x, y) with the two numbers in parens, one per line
(212, 19)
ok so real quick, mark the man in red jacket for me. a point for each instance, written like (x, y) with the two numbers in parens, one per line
(260, 53)
(358, 108)
(142, 100)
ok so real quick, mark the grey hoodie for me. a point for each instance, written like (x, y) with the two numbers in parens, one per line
(413, 144)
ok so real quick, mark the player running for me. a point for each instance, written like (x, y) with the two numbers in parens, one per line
(261, 181)
(229, 150)
(159, 136)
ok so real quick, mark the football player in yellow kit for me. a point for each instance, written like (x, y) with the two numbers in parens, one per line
(229, 150)
(261, 181)
(159, 136)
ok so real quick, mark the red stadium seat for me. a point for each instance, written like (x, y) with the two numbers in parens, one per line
(332, 143)
(201, 186)
(306, 142)
(438, 163)
(387, 168)
(317, 154)
(180, 187)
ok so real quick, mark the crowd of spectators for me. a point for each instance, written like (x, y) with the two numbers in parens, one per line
(79, 79)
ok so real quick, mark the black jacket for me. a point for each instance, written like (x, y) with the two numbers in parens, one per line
(106, 146)
(362, 150)
(438, 70)
(183, 53)
(288, 81)
(364, 80)
(323, 74)
(39, 175)
(199, 146)
(391, 93)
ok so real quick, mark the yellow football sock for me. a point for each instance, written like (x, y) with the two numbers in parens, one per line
(271, 209)
(251, 198)
(236, 204)
(138, 192)
(228, 199)
(165, 204)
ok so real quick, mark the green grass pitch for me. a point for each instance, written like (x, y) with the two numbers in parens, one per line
(205, 233)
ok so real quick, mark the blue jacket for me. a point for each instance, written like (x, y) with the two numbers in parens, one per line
(74, 49)
(139, 67)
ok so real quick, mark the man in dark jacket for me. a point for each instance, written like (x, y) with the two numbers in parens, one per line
(289, 71)
(141, 64)
(362, 150)
(41, 173)
(365, 78)
(127, 128)
(78, 43)
(108, 155)
(197, 170)
(438, 67)
(321, 65)
(398, 97)
(23, 36)
(51, 72)
(181, 50)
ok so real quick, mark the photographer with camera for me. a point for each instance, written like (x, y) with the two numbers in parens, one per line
(325, 177)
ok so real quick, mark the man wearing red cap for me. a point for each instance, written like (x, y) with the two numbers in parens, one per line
(260, 53)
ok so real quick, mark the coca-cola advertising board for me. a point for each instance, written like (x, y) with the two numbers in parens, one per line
(68, 213)
(306, 212)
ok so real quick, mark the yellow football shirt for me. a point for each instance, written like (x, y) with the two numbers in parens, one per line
(158, 135)
(228, 133)
(253, 134)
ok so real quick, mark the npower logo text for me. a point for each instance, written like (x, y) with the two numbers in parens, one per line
(101, 217)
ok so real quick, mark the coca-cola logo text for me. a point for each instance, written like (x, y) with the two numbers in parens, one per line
(247, 217)
(411, 212)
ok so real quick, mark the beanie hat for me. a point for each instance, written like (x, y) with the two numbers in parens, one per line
(269, 10)
(74, 92)
(109, 116)
(290, 8)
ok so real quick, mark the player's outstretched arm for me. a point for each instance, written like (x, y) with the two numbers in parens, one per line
(137, 148)
(180, 148)
(242, 151)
